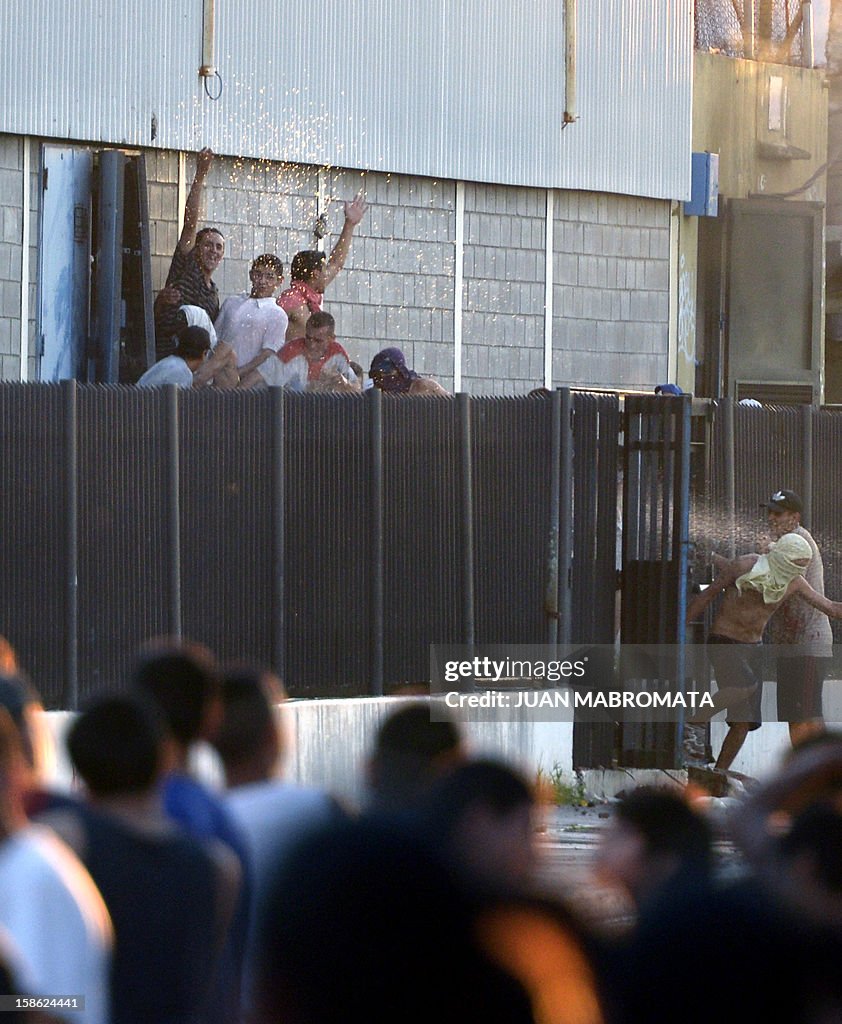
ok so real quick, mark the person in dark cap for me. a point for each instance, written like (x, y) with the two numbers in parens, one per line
(801, 633)
(390, 373)
(755, 587)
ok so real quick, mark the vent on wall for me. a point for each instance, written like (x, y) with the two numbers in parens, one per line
(775, 394)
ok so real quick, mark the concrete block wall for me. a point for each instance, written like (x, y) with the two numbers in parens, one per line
(610, 267)
(610, 290)
(397, 284)
(12, 217)
(503, 300)
(329, 741)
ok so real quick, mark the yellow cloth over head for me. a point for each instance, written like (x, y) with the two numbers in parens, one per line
(772, 573)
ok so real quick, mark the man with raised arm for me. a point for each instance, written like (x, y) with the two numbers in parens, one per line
(754, 587)
(311, 272)
(190, 278)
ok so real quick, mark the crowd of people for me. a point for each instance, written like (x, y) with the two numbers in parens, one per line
(261, 338)
(158, 898)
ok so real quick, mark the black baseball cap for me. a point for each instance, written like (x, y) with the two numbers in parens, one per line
(784, 501)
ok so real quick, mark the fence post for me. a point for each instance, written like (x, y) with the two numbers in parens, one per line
(173, 506)
(464, 406)
(730, 474)
(551, 600)
(375, 400)
(681, 542)
(70, 695)
(807, 448)
(565, 547)
(278, 536)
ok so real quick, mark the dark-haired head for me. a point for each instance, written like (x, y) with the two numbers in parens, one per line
(117, 746)
(193, 343)
(183, 679)
(248, 738)
(305, 264)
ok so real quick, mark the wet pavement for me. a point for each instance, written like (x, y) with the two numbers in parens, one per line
(567, 843)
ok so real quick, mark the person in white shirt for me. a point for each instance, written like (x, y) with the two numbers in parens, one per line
(193, 348)
(253, 324)
(316, 362)
(49, 906)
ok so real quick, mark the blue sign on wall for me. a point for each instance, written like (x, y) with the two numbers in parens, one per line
(704, 187)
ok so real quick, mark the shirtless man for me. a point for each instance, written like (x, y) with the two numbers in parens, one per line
(755, 586)
(312, 272)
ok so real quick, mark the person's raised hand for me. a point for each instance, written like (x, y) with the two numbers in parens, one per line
(355, 208)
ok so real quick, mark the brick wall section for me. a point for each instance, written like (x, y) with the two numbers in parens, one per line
(503, 303)
(397, 284)
(11, 192)
(611, 268)
(611, 290)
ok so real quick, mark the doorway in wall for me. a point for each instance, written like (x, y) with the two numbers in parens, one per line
(95, 306)
(759, 302)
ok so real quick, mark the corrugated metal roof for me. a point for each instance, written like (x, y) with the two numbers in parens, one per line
(464, 89)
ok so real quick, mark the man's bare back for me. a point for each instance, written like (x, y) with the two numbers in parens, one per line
(744, 613)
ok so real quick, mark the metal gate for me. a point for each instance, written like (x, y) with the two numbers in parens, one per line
(656, 484)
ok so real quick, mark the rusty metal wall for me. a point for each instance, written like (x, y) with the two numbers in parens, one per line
(333, 537)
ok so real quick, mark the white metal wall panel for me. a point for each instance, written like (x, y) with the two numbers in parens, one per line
(457, 89)
(99, 69)
(634, 98)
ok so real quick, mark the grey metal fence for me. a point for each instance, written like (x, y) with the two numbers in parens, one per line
(332, 537)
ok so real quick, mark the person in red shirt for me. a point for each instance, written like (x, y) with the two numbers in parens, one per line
(312, 272)
(313, 363)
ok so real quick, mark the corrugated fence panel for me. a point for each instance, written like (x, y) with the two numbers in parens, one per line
(226, 522)
(32, 540)
(596, 498)
(232, 526)
(511, 453)
(424, 590)
(768, 450)
(827, 489)
(121, 529)
(327, 565)
(596, 495)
